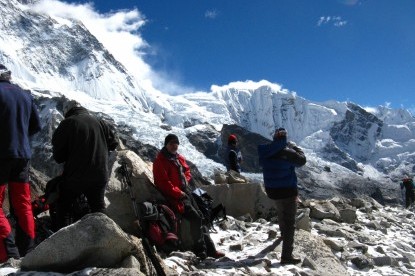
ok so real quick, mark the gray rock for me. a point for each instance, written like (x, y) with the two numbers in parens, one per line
(117, 271)
(333, 244)
(255, 201)
(307, 262)
(303, 220)
(358, 202)
(313, 247)
(324, 210)
(358, 246)
(348, 215)
(93, 241)
(272, 234)
(362, 262)
(236, 247)
(385, 261)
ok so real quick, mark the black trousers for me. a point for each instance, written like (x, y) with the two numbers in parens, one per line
(409, 197)
(286, 211)
(69, 193)
(203, 243)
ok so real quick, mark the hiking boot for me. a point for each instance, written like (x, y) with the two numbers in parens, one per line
(291, 260)
(202, 255)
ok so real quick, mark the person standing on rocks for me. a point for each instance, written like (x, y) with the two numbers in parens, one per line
(408, 184)
(279, 160)
(19, 120)
(82, 143)
(172, 176)
(234, 154)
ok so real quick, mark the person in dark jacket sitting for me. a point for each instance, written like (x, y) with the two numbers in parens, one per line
(82, 143)
(19, 120)
(279, 160)
(234, 154)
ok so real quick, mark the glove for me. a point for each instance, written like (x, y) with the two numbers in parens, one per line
(291, 145)
(39, 205)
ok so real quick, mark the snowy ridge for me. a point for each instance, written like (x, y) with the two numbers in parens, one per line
(59, 56)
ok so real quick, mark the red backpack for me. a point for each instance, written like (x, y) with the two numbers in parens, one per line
(160, 226)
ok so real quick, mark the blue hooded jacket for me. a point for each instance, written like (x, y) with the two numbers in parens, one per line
(19, 119)
(278, 162)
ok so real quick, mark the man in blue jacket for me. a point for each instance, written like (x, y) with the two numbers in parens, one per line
(19, 120)
(279, 160)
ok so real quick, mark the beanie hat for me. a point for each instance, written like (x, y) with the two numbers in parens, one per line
(69, 105)
(232, 138)
(5, 73)
(171, 137)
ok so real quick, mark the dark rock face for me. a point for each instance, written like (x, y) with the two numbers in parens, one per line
(214, 145)
(356, 133)
(332, 153)
(206, 142)
(248, 144)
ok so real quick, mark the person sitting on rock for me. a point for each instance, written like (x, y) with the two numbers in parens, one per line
(171, 177)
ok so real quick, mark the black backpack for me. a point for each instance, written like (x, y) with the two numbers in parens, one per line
(159, 225)
(49, 201)
(204, 203)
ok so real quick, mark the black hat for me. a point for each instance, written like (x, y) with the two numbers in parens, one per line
(171, 137)
(5, 73)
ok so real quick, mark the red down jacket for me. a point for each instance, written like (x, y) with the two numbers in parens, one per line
(167, 178)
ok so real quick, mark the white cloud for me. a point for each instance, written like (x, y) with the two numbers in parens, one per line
(248, 84)
(119, 32)
(211, 14)
(336, 21)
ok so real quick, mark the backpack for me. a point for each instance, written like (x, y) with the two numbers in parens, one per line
(49, 201)
(159, 225)
(204, 203)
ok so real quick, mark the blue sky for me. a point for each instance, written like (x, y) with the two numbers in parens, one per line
(357, 50)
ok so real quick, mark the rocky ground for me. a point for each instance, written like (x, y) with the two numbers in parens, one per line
(376, 241)
(334, 237)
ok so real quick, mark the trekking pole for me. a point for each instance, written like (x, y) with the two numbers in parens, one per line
(146, 243)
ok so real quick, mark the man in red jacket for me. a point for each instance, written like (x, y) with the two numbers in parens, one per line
(19, 120)
(172, 176)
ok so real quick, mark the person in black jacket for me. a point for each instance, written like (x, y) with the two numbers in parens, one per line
(19, 120)
(234, 154)
(82, 142)
(279, 160)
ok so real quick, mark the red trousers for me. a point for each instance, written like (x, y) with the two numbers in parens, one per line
(20, 205)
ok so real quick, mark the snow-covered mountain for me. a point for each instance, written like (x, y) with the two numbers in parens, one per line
(54, 56)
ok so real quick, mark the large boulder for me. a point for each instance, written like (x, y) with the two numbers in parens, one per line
(120, 203)
(93, 241)
(243, 198)
(314, 249)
